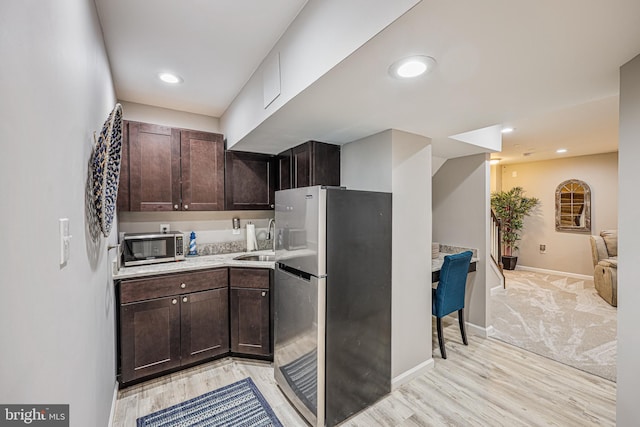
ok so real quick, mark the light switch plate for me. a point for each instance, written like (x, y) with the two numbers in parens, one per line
(64, 241)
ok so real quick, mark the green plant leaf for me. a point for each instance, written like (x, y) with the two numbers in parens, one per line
(511, 207)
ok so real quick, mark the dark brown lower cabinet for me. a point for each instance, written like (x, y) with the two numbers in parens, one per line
(204, 325)
(250, 321)
(176, 320)
(172, 320)
(149, 337)
(250, 305)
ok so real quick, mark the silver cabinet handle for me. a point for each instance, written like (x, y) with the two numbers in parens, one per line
(186, 207)
(183, 286)
(272, 206)
(174, 301)
(184, 299)
(264, 294)
(175, 207)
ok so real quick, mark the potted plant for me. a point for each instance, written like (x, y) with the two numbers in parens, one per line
(511, 207)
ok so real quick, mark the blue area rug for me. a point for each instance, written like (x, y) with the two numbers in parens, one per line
(302, 376)
(238, 404)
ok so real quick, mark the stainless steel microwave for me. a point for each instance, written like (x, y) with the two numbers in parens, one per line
(152, 248)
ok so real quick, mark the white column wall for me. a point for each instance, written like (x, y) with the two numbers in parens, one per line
(461, 218)
(401, 163)
(628, 383)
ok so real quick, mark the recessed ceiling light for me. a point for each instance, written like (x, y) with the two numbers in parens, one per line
(507, 130)
(494, 161)
(412, 66)
(170, 78)
(561, 150)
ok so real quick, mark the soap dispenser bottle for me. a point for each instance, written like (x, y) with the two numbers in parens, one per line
(192, 244)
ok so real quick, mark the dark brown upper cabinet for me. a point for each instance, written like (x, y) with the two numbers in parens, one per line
(284, 170)
(311, 163)
(202, 160)
(169, 169)
(249, 181)
(154, 167)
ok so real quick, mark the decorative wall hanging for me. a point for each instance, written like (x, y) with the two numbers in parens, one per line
(573, 206)
(105, 169)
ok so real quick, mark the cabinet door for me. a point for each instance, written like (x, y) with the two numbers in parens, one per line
(301, 166)
(123, 202)
(250, 181)
(154, 167)
(204, 324)
(284, 170)
(149, 337)
(325, 164)
(202, 171)
(250, 321)
(315, 163)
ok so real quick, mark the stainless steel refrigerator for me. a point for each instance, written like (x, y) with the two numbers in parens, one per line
(332, 293)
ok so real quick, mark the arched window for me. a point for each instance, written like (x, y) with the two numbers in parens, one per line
(573, 206)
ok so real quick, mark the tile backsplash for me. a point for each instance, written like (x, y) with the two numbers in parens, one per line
(214, 230)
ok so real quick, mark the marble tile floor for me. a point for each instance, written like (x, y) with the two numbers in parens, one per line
(488, 383)
(559, 317)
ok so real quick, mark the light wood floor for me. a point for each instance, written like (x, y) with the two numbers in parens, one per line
(488, 383)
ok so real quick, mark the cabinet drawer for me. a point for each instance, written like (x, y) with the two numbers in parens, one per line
(174, 284)
(256, 278)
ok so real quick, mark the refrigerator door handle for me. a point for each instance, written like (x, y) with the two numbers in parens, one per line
(294, 272)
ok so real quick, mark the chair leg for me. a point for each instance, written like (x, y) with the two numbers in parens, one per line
(443, 352)
(462, 330)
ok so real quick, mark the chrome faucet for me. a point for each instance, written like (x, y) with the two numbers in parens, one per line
(272, 222)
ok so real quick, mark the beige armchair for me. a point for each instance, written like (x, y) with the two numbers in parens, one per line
(604, 251)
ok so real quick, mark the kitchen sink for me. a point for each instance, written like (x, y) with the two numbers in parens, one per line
(256, 257)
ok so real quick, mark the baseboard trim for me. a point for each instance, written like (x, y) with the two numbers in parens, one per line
(562, 273)
(495, 290)
(478, 331)
(412, 373)
(112, 414)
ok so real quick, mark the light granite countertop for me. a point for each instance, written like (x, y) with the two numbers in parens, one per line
(226, 260)
(193, 263)
(444, 250)
(436, 263)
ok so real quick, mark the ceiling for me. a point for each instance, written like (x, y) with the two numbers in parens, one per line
(547, 68)
(213, 45)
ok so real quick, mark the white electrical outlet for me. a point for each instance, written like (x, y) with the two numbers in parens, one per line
(543, 249)
(65, 238)
(165, 228)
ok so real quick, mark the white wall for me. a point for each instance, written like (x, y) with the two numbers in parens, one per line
(628, 384)
(319, 38)
(57, 334)
(210, 227)
(461, 218)
(401, 162)
(489, 137)
(566, 251)
(166, 117)
(496, 177)
(366, 163)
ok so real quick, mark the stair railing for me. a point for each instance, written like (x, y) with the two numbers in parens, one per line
(496, 241)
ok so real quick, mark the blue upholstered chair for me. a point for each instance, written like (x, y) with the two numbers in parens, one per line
(449, 295)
